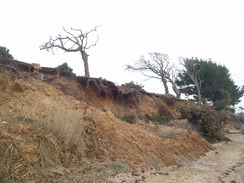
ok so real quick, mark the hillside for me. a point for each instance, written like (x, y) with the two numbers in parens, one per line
(64, 128)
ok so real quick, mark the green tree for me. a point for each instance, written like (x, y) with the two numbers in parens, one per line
(191, 75)
(4, 52)
(217, 86)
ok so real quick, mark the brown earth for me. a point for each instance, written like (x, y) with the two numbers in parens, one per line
(67, 129)
(224, 164)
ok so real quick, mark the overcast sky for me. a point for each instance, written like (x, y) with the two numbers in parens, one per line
(128, 29)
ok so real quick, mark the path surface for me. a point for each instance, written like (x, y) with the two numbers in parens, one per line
(225, 164)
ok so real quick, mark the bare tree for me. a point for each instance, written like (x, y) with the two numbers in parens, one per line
(74, 41)
(158, 66)
(191, 70)
(172, 76)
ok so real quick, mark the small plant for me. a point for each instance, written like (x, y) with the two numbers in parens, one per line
(156, 119)
(88, 119)
(130, 118)
(135, 85)
(65, 70)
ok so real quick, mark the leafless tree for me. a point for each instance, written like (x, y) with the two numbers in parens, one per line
(75, 40)
(172, 76)
(157, 66)
(190, 69)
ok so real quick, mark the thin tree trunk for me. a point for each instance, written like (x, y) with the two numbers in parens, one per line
(177, 92)
(165, 86)
(85, 60)
(199, 93)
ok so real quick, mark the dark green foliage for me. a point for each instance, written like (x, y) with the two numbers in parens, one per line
(156, 119)
(207, 122)
(64, 67)
(65, 70)
(217, 87)
(135, 85)
(4, 52)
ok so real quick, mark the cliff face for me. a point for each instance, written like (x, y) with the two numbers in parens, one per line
(103, 94)
(120, 100)
(76, 117)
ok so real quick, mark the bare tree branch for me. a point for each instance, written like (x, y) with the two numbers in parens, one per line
(74, 41)
(191, 71)
(159, 66)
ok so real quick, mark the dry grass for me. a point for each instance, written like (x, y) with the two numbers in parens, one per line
(26, 151)
(169, 132)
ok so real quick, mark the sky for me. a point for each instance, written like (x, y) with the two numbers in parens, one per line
(128, 29)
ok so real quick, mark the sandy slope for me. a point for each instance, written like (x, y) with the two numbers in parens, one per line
(224, 164)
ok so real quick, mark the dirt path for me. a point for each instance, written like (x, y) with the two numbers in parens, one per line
(225, 164)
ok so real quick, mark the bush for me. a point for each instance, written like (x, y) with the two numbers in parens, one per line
(4, 52)
(206, 121)
(65, 70)
(135, 85)
(156, 119)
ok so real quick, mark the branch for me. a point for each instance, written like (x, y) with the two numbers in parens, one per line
(73, 42)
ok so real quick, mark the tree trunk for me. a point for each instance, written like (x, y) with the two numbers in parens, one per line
(85, 60)
(165, 86)
(199, 93)
(177, 92)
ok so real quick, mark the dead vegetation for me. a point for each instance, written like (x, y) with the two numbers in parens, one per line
(27, 153)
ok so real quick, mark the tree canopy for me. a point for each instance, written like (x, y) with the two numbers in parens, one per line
(4, 52)
(217, 85)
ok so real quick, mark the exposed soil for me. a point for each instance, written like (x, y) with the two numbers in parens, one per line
(224, 164)
(67, 128)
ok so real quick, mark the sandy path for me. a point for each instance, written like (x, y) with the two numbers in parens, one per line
(225, 164)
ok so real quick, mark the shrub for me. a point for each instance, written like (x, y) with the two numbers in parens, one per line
(65, 70)
(206, 121)
(135, 85)
(156, 119)
(4, 52)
